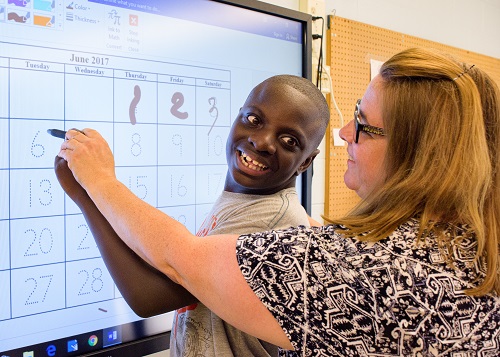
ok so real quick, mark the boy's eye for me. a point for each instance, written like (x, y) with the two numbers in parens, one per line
(252, 119)
(290, 141)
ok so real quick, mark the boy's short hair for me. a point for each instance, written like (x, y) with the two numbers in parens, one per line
(306, 87)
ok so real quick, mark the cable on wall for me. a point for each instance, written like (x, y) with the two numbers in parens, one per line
(319, 70)
(332, 94)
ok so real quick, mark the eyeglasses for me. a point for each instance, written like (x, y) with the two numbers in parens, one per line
(364, 127)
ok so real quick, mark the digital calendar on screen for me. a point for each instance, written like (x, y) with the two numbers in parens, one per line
(162, 90)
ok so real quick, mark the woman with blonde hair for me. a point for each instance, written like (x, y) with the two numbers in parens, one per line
(439, 164)
(412, 270)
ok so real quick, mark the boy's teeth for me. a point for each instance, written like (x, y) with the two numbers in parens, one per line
(251, 163)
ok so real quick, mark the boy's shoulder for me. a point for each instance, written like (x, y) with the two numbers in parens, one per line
(242, 213)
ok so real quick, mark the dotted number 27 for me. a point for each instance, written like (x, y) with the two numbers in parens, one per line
(31, 297)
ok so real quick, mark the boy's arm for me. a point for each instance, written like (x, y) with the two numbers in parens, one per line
(148, 291)
(208, 267)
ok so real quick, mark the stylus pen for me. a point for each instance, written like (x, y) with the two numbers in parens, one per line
(61, 133)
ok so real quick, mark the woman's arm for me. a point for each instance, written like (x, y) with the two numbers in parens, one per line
(205, 267)
(147, 291)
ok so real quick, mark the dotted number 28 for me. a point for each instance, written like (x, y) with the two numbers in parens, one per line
(92, 283)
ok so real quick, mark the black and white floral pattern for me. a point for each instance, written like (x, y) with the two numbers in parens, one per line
(336, 296)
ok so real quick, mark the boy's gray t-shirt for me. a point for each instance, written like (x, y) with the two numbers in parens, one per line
(196, 331)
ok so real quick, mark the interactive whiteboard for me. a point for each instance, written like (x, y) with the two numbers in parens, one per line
(162, 81)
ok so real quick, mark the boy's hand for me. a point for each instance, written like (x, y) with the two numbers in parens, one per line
(68, 182)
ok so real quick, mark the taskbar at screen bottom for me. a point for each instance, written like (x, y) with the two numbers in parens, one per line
(127, 340)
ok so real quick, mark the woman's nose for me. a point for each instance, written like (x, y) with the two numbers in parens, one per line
(346, 133)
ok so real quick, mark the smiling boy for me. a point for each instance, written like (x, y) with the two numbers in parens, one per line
(273, 140)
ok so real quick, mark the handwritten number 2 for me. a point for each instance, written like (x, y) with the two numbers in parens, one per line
(178, 101)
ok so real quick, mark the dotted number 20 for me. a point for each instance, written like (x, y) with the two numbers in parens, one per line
(45, 242)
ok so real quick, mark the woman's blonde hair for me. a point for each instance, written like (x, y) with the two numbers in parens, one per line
(442, 156)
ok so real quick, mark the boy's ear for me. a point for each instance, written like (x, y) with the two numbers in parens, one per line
(303, 167)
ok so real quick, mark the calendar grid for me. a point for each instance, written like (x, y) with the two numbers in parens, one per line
(149, 114)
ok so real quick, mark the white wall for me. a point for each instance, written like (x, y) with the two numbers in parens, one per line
(473, 25)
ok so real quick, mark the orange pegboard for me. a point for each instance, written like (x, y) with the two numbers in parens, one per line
(351, 45)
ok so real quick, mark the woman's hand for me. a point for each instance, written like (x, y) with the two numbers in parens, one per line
(88, 155)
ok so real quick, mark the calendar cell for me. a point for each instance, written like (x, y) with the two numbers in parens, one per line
(141, 181)
(37, 289)
(175, 145)
(176, 185)
(4, 295)
(88, 281)
(80, 243)
(176, 104)
(44, 91)
(184, 214)
(211, 145)
(37, 241)
(4, 245)
(89, 98)
(213, 107)
(34, 193)
(135, 145)
(31, 146)
(135, 101)
(210, 181)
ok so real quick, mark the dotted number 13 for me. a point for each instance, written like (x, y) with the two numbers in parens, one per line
(46, 186)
